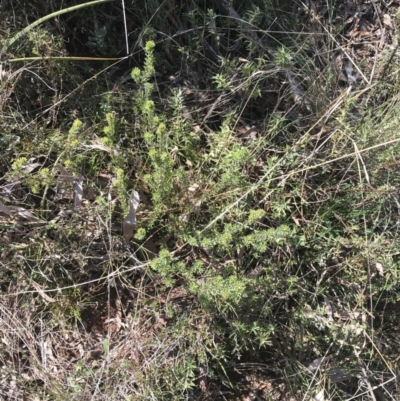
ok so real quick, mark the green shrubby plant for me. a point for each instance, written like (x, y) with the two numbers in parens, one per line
(222, 164)
(97, 37)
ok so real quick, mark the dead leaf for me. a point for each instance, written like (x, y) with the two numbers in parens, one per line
(298, 92)
(61, 214)
(65, 175)
(78, 193)
(4, 209)
(248, 132)
(379, 268)
(118, 316)
(42, 293)
(4, 75)
(23, 213)
(11, 188)
(130, 220)
(194, 187)
(387, 20)
(342, 314)
(320, 396)
(104, 148)
(316, 363)
(328, 308)
(89, 194)
(351, 78)
(296, 221)
(29, 168)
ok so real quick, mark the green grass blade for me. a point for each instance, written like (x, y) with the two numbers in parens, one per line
(45, 18)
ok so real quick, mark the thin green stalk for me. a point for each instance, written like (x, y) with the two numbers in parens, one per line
(13, 60)
(45, 18)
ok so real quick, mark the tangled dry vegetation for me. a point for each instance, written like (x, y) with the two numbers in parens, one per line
(199, 200)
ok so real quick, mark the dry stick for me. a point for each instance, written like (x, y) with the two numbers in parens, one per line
(359, 158)
(366, 381)
(125, 27)
(68, 58)
(46, 17)
(373, 67)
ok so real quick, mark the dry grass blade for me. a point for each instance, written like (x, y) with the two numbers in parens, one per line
(130, 220)
(316, 363)
(40, 291)
(4, 75)
(55, 14)
(362, 161)
(297, 92)
(328, 308)
(78, 192)
(26, 214)
(100, 146)
(20, 212)
(320, 396)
